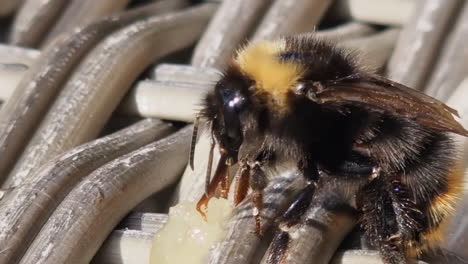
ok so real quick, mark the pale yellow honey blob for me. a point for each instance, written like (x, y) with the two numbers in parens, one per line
(186, 237)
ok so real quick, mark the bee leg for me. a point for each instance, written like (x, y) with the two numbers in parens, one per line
(224, 185)
(291, 217)
(242, 182)
(389, 217)
(378, 220)
(408, 217)
(217, 182)
(297, 209)
(258, 182)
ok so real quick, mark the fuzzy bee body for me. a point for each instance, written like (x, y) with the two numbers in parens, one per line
(304, 100)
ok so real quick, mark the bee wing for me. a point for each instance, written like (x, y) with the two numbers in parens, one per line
(380, 94)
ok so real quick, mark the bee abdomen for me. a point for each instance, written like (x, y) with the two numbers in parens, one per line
(426, 163)
(436, 180)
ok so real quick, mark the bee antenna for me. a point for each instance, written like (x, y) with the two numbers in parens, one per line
(193, 142)
(208, 168)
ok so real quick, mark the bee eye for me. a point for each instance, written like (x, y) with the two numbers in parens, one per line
(235, 102)
(232, 100)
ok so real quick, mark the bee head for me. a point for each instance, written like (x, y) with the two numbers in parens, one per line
(223, 108)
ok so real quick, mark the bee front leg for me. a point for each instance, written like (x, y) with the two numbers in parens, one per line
(258, 182)
(218, 182)
(242, 182)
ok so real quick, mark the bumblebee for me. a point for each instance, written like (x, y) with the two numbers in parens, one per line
(306, 101)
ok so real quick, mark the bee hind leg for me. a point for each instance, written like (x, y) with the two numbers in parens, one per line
(390, 218)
